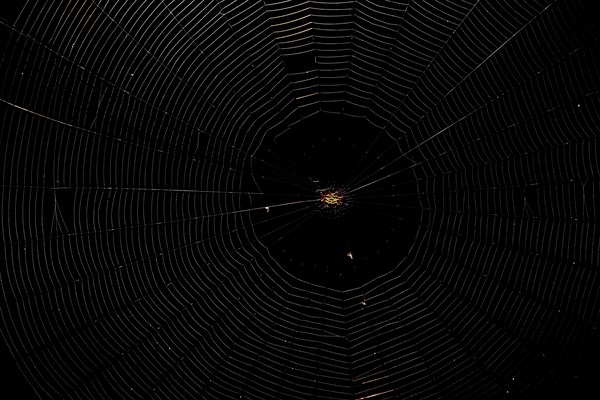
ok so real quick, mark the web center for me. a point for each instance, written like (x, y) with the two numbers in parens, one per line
(333, 201)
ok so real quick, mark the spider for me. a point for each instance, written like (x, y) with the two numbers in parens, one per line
(331, 198)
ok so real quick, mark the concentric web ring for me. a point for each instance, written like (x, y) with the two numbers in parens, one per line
(161, 192)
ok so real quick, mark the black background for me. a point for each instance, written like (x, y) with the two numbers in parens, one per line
(325, 148)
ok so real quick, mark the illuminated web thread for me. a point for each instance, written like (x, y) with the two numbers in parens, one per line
(489, 284)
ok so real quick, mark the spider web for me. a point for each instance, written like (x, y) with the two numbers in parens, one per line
(134, 262)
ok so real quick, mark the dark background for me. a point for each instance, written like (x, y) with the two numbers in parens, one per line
(328, 149)
(376, 225)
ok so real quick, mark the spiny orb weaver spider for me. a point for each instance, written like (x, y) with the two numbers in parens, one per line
(333, 201)
(331, 198)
